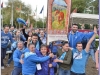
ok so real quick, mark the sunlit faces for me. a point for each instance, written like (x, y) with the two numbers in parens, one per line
(44, 50)
(34, 39)
(65, 47)
(32, 47)
(79, 46)
(74, 28)
(20, 45)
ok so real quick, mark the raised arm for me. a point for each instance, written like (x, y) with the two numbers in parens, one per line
(23, 30)
(91, 40)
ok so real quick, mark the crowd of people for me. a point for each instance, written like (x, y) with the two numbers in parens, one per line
(32, 56)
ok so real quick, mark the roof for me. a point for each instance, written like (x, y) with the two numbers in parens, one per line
(84, 18)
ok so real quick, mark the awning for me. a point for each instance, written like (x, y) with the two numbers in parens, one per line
(84, 18)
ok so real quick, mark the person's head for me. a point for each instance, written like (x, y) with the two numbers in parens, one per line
(30, 33)
(42, 33)
(34, 38)
(79, 46)
(31, 47)
(6, 29)
(20, 45)
(74, 27)
(65, 46)
(17, 33)
(43, 49)
(37, 30)
(12, 28)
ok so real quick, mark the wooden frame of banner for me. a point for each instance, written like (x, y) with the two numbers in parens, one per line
(56, 36)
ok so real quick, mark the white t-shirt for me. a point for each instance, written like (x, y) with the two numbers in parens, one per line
(98, 48)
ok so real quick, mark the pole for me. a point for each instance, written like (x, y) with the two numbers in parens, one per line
(36, 16)
(12, 14)
(43, 17)
(2, 18)
(20, 14)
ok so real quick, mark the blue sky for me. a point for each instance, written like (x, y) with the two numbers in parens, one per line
(60, 2)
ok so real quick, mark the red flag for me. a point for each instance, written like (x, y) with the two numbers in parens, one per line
(2, 5)
(75, 10)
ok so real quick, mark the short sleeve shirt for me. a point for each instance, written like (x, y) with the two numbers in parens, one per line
(79, 61)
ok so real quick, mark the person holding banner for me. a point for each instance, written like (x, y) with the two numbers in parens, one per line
(80, 56)
(64, 59)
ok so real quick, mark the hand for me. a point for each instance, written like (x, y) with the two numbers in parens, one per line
(95, 29)
(21, 61)
(51, 55)
(57, 60)
(50, 65)
(29, 38)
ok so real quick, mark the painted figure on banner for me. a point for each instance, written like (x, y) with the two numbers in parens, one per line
(59, 14)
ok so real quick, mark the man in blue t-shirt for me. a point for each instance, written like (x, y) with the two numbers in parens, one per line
(80, 57)
(5, 37)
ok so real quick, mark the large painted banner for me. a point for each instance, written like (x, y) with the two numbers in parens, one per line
(58, 19)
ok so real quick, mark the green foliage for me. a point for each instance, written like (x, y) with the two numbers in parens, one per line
(40, 23)
(81, 5)
(23, 12)
(87, 26)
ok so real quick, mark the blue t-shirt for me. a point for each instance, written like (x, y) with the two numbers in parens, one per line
(79, 61)
(5, 37)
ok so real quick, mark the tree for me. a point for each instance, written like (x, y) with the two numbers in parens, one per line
(20, 11)
(81, 5)
(40, 23)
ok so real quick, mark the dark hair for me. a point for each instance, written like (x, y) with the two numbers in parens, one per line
(75, 24)
(35, 35)
(11, 26)
(30, 44)
(78, 43)
(43, 45)
(6, 26)
(65, 42)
